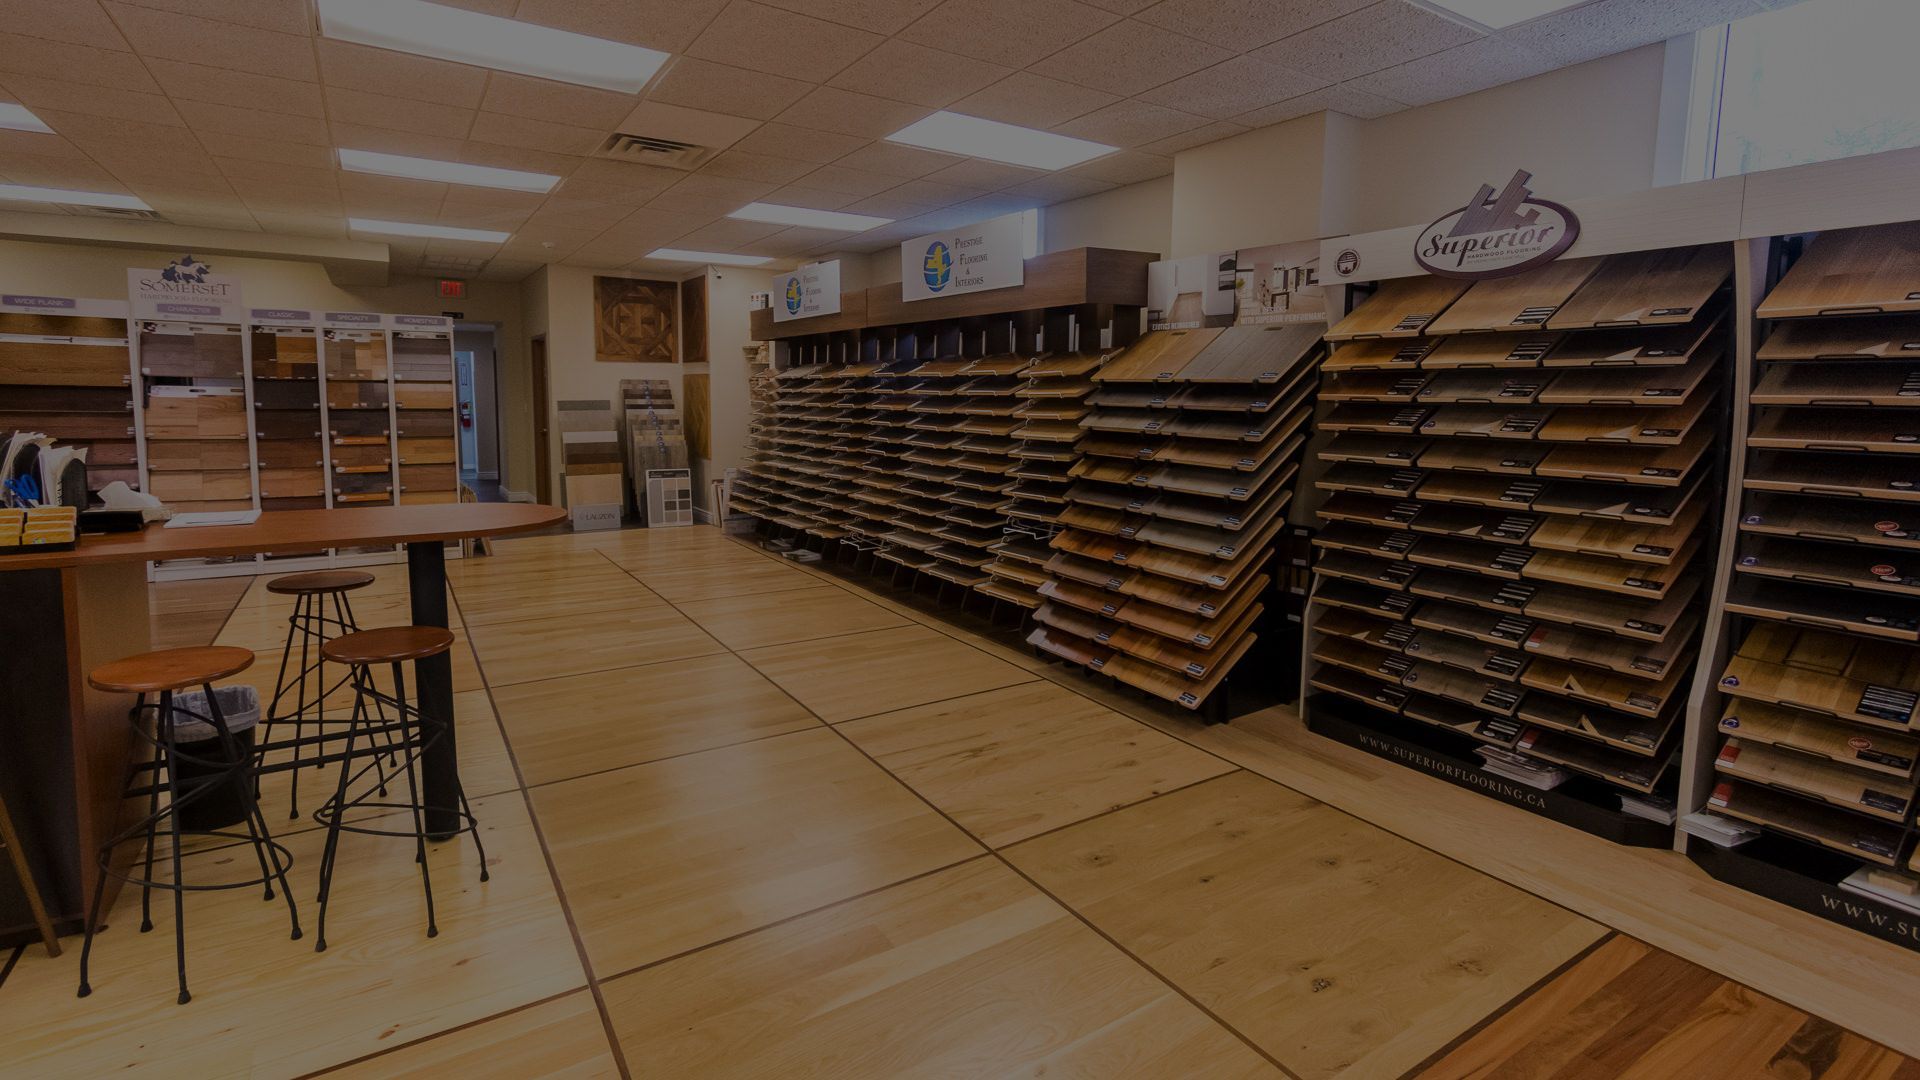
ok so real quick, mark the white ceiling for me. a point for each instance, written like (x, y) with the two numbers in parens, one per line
(224, 113)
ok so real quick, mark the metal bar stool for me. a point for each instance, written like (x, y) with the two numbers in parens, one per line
(361, 652)
(309, 626)
(163, 674)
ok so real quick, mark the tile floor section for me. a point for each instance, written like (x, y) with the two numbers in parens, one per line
(745, 819)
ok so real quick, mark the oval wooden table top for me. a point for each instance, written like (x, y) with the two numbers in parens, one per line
(282, 530)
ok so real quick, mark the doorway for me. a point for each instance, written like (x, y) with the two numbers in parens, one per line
(542, 426)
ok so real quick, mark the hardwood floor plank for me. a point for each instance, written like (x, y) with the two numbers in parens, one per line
(760, 619)
(1337, 947)
(966, 972)
(562, 1039)
(863, 674)
(568, 727)
(549, 648)
(1011, 763)
(660, 858)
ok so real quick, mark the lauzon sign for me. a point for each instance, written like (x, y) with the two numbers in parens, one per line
(1497, 234)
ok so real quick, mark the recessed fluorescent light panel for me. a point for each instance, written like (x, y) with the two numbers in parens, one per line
(17, 118)
(775, 214)
(436, 232)
(21, 193)
(717, 258)
(451, 172)
(1499, 14)
(976, 137)
(469, 37)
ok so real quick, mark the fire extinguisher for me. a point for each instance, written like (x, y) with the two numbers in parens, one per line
(466, 414)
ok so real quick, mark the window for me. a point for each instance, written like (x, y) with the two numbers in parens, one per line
(1823, 79)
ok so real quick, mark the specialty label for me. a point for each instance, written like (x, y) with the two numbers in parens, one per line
(1512, 629)
(1888, 703)
(1514, 595)
(1414, 321)
(1883, 800)
(1535, 315)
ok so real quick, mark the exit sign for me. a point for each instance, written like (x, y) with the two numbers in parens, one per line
(452, 290)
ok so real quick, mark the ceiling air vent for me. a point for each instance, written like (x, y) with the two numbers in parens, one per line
(116, 212)
(650, 150)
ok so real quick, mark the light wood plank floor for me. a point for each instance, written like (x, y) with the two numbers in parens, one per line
(746, 818)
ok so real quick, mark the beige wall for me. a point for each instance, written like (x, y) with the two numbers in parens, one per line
(1138, 217)
(92, 270)
(1261, 187)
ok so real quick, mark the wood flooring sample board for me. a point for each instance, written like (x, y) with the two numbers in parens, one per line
(1403, 307)
(1876, 751)
(1867, 270)
(1518, 301)
(1644, 288)
(1874, 337)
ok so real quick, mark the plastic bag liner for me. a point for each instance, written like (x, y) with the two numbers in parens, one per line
(240, 709)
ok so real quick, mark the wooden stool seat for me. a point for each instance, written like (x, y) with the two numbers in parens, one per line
(320, 581)
(170, 669)
(388, 645)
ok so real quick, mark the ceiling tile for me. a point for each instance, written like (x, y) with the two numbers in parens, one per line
(399, 114)
(1344, 98)
(221, 144)
(172, 36)
(401, 74)
(1237, 86)
(285, 16)
(41, 94)
(702, 84)
(727, 233)
(1200, 136)
(812, 198)
(1242, 25)
(1610, 26)
(745, 165)
(543, 99)
(233, 120)
(239, 169)
(668, 25)
(1388, 33)
(903, 71)
(367, 186)
(481, 200)
(621, 175)
(533, 237)
(705, 207)
(799, 143)
(64, 20)
(894, 159)
(304, 201)
(1012, 32)
(982, 176)
(508, 270)
(1131, 123)
(1033, 101)
(474, 152)
(913, 198)
(37, 144)
(1125, 167)
(879, 16)
(1059, 187)
(1129, 57)
(72, 173)
(778, 42)
(389, 141)
(236, 219)
(729, 189)
(198, 82)
(982, 207)
(1462, 69)
(55, 60)
(97, 134)
(536, 134)
(855, 182)
(849, 113)
(1123, 7)
(796, 240)
(652, 221)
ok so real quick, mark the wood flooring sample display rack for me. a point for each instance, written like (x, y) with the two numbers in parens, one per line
(296, 410)
(1158, 574)
(1817, 710)
(64, 372)
(1519, 499)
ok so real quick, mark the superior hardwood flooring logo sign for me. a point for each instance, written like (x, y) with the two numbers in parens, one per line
(1497, 235)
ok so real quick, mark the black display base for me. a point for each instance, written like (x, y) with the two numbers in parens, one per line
(1801, 875)
(1581, 802)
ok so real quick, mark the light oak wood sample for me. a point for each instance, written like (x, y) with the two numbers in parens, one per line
(1374, 448)
(1876, 841)
(1830, 782)
(1869, 270)
(1658, 544)
(196, 416)
(1645, 288)
(1599, 687)
(1847, 476)
(1158, 356)
(193, 455)
(1633, 425)
(1255, 354)
(1622, 731)
(1660, 466)
(1402, 307)
(1842, 520)
(1518, 301)
(1874, 751)
(1494, 351)
(1867, 682)
(1894, 431)
(1655, 661)
(1496, 560)
(1838, 383)
(38, 363)
(1651, 386)
(1506, 456)
(1888, 337)
(1378, 355)
(1595, 759)
(1482, 388)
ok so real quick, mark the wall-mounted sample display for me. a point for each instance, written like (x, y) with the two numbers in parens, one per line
(65, 372)
(359, 410)
(289, 446)
(1520, 497)
(424, 408)
(656, 434)
(1159, 575)
(635, 321)
(1054, 399)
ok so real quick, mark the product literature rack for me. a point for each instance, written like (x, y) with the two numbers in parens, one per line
(1519, 509)
(1175, 505)
(65, 372)
(1815, 711)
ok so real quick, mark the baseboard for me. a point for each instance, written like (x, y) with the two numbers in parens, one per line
(493, 474)
(701, 515)
(518, 496)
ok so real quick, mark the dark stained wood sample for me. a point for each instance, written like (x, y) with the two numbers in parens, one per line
(1463, 719)
(1869, 270)
(1497, 560)
(1380, 387)
(1498, 526)
(1646, 288)
(1479, 658)
(1844, 566)
(1839, 383)
(1403, 307)
(1255, 354)
(1838, 475)
(1626, 769)
(1516, 302)
(1366, 539)
(1158, 356)
(1480, 489)
(1843, 520)
(1657, 386)
(635, 320)
(1501, 628)
(1349, 683)
(1391, 355)
(1381, 419)
(1506, 456)
(1365, 569)
(1632, 425)
(1621, 730)
(1499, 351)
(1658, 466)
(1482, 387)
(1487, 421)
(1370, 479)
(1875, 337)
(1384, 603)
(1886, 616)
(1374, 448)
(1841, 830)
(1660, 346)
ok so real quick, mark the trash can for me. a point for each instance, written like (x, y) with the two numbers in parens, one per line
(196, 738)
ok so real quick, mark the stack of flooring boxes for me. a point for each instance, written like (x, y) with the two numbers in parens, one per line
(655, 436)
(591, 448)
